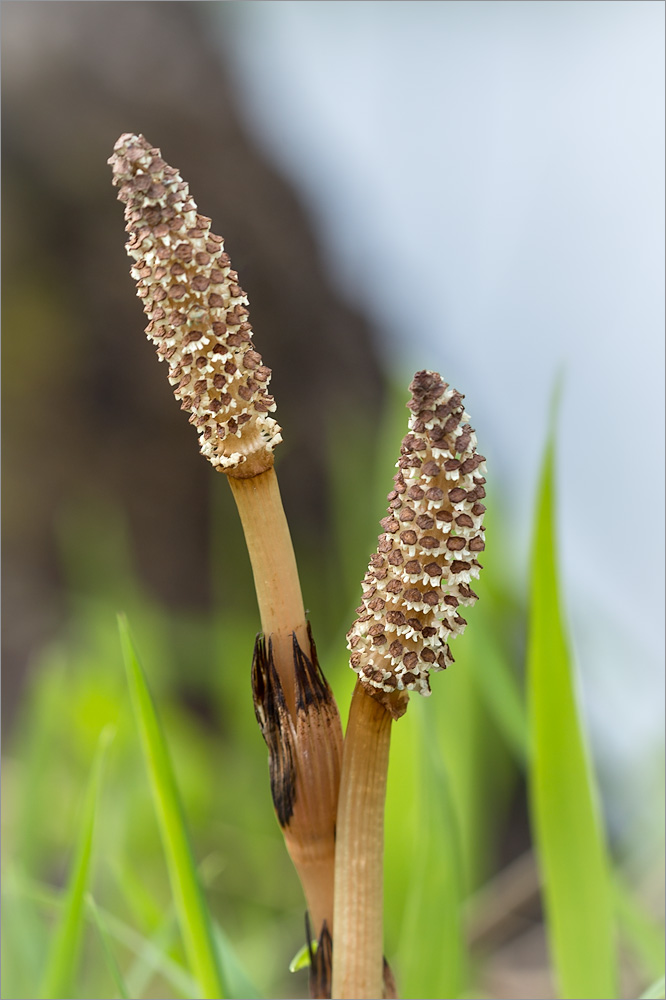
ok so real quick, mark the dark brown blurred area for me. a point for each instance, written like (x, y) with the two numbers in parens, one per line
(87, 411)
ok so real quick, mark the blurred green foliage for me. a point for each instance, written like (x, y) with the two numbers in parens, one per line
(458, 762)
(567, 821)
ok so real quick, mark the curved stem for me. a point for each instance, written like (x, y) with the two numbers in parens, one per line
(274, 568)
(294, 704)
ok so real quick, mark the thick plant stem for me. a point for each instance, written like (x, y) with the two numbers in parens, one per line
(295, 708)
(274, 569)
(304, 763)
(359, 895)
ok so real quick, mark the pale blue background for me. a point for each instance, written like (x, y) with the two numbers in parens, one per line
(487, 180)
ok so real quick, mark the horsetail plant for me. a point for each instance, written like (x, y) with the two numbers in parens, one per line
(414, 587)
(198, 321)
(416, 583)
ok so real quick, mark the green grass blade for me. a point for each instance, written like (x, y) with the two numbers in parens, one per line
(63, 957)
(159, 926)
(23, 940)
(149, 951)
(191, 909)
(152, 956)
(565, 817)
(432, 959)
(114, 968)
(498, 687)
(240, 984)
(643, 934)
(164, 930)
(145, 910)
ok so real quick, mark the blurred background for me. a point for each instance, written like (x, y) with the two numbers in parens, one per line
(473, 187)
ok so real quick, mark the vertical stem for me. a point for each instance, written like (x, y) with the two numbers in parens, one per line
(359, 854)
(274, 568)
(295, 706)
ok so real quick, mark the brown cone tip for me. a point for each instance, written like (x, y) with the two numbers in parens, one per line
(419, 578)
(197, 311)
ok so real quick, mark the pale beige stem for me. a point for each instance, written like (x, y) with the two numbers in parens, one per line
(274, 568)
(312, 849)
(359, 854)
(305, 736)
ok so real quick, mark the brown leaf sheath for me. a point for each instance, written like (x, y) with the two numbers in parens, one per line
(305, 752)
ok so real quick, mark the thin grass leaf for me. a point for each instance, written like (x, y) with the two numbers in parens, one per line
(642, 932)
(158, 925)
(41, 895)
(432, 959)
(23, 940)
(564, 807)
(240, 984)
(145, 910)
(151, 952)
(62, 964)
(485, 645)
(191, 909)
(498, 687)
(150, 959)
(480, 767)
(38, 729)
(655, 992)
(114, 968)
(152, 955)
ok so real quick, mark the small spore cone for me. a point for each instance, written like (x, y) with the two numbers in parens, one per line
(419, 578)
(197, 311)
